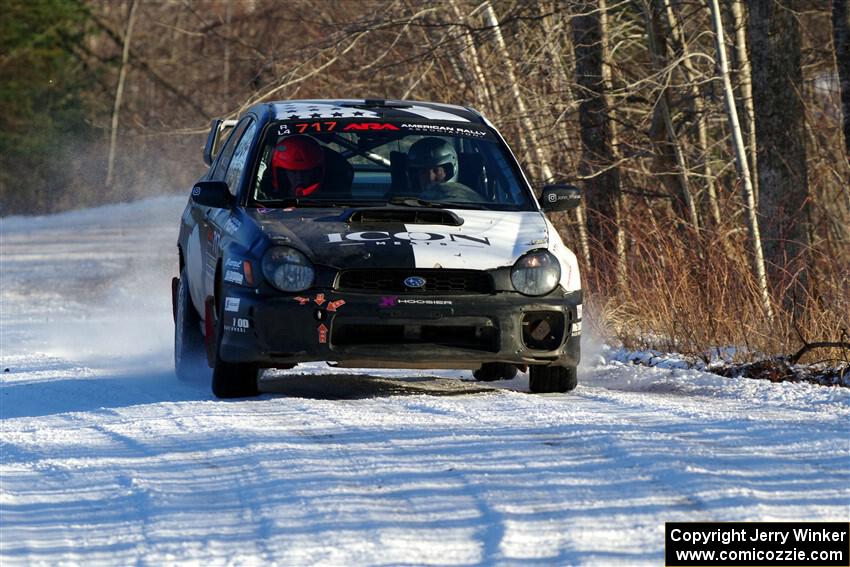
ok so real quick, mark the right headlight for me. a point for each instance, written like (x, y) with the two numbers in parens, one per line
(536, 273)
(287, 269)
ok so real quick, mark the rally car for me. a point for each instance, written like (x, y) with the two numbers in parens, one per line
(372, 233)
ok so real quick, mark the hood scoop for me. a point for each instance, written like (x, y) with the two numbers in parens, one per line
(404, 215)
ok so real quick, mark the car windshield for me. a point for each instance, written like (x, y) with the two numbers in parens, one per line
(397, 162)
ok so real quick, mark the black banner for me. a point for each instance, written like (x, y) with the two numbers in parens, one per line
(757, 544)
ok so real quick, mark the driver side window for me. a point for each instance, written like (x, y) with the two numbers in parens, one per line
(240, 156)
(227, 151)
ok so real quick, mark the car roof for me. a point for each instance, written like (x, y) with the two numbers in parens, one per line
(370, 108)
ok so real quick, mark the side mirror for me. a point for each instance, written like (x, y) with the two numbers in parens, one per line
(212, 194)
(560, 198)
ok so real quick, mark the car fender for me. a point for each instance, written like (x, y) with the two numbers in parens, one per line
(570, 275)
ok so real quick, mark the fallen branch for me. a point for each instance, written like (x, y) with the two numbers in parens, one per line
(809, 346)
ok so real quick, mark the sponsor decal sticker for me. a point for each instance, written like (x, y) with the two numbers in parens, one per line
(369, 126)
(418, 301)
(415, 238)
(232, 225)
(335, 305)
(238, 325)
(231, 304)
(234, 277)
(302, 300)
(445, 130)
(394, 300)
(323, 334)
(320, 299)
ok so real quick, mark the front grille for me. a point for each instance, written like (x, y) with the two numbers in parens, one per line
(485, 338)
(436, 281)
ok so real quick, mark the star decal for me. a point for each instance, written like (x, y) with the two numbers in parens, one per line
(293, 117)
(337, 114)
(358, 113)
(315, 115)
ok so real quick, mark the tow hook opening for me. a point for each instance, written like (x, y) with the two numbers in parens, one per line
(543, 330)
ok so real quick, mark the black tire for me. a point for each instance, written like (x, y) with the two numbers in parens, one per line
(188, 340)
(546, 379)
(232, 380)
(491, 371)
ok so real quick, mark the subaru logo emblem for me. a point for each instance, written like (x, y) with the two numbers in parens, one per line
(414, 281)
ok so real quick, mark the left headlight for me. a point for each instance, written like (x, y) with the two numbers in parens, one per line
(287, 269)
(536, 273)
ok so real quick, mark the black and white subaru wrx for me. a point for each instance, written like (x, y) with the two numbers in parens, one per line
(372, 233)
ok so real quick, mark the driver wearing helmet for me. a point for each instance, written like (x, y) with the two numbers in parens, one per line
(298, 167)
(432, 171)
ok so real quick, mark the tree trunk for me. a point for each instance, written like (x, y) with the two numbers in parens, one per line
(119, 92)
(741, 162)
(472, 64)
(783, 202)
(683, 197)
(598, 167)
(841, 32)
(529, 141)
(691, 74)
(745, 79)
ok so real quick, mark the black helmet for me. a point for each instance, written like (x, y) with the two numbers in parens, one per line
(428, 153)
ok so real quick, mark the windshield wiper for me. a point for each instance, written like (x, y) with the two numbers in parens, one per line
(417, 202)
(301, 202)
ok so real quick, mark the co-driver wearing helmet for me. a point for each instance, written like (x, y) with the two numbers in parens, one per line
(432, 170)
(298, 167)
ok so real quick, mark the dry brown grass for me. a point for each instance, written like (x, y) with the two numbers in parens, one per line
(693, 293)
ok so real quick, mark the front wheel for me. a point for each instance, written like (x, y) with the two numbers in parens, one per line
(546, 379)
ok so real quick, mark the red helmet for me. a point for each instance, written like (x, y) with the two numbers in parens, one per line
(298, 163)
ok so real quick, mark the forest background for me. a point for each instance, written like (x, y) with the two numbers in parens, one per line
(710, 137)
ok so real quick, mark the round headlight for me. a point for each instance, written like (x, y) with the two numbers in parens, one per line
(287, 269)
(536, 273)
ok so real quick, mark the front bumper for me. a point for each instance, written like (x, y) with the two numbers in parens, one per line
(365, 329)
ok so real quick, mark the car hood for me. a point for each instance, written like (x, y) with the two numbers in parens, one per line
(484, 240)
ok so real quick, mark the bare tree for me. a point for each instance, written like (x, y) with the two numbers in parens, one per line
(841, 33)
(119, 91)
(663, 120)
(741, 162)
(784, 200)
(691, 75)
(745, 76)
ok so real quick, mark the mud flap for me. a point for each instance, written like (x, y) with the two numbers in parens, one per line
(175, 284)
(210, 341)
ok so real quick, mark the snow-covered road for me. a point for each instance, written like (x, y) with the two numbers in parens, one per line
(107, 458)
